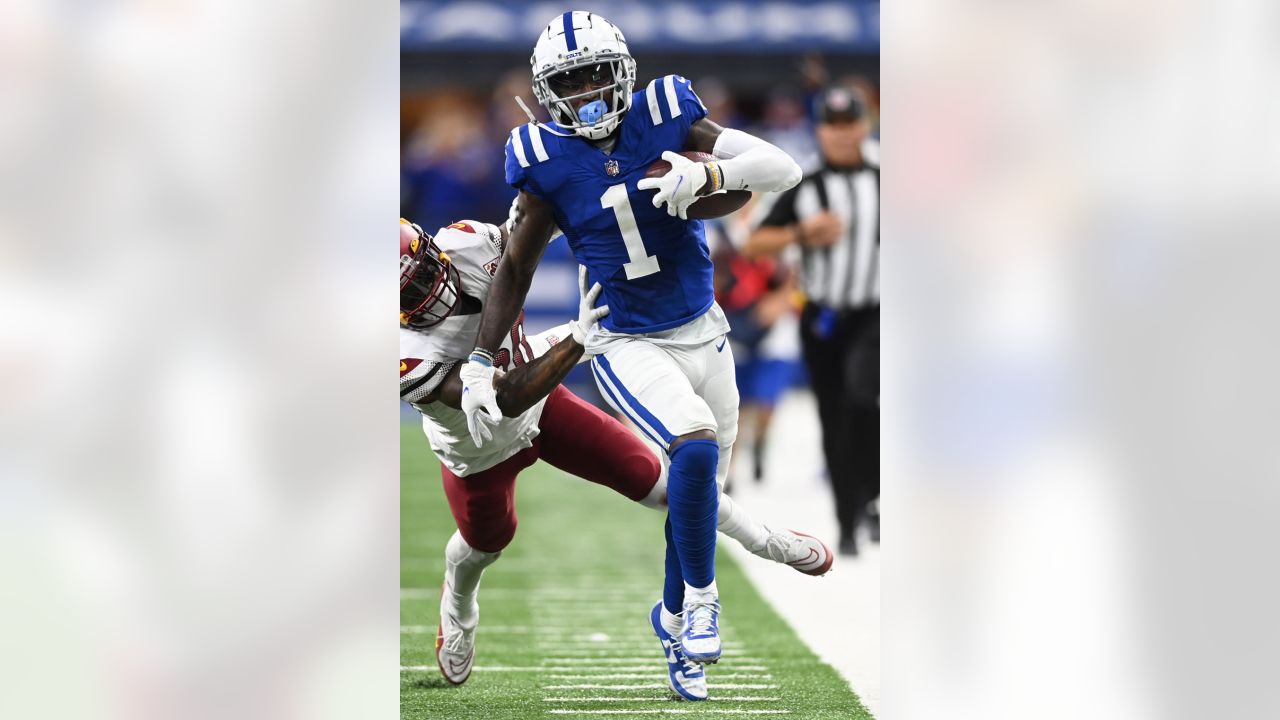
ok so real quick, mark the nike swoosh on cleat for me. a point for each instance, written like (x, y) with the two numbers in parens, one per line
(813, 557)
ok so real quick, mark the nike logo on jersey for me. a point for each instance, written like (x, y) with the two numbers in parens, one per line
(723, 340)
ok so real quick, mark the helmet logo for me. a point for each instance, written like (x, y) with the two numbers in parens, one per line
(413, 245)
(611, 168)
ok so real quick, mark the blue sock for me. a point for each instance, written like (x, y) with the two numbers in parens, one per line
(693, 502)
(673, 584)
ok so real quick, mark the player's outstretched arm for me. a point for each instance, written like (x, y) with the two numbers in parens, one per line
(525, 385)
(521, 388)
(745, 161)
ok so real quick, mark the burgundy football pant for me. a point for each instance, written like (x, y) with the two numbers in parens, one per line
(575, 437)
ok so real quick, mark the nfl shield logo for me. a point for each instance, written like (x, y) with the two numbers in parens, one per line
(611, 168)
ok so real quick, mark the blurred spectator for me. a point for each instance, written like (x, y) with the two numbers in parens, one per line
(721, 105)
(786, 125)
(452, 167)
(833, 214)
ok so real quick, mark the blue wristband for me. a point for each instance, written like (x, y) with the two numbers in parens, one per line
(484, 357)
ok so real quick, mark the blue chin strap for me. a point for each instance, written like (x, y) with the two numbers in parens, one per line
(592, 112)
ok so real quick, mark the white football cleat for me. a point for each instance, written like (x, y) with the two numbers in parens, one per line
(685, 676)
(700, 638)
(455, 642)
(803, 552)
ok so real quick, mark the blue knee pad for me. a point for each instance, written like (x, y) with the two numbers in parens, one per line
(693, 503)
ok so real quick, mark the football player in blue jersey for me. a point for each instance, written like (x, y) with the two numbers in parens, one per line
(660, 357)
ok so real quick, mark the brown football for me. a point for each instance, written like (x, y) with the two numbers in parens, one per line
(711, 206)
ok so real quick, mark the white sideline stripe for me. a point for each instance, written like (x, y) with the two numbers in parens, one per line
(732, 698)
(656, 685)
(518, 147)
(668, 711)
(652, 97)
(672, 105)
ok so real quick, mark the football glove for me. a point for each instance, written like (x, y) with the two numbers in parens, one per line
(679, 187)
(588, 315)
(479, 399)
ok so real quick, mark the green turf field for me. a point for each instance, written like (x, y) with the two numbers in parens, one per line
(588, 559)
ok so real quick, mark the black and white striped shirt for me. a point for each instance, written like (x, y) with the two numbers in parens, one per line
(845, 275)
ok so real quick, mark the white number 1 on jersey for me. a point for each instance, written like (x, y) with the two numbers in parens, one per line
(641, 263)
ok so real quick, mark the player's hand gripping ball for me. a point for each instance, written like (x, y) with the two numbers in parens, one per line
(704, 207)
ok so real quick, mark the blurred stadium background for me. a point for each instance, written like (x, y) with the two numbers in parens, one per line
(758, 66)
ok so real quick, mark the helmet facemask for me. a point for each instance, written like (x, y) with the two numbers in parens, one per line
(429, 283)
(610, 77)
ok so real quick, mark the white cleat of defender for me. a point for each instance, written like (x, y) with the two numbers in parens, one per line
(455, 643)
(805, 553)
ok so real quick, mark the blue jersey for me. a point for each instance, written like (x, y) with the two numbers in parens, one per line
(655, 269)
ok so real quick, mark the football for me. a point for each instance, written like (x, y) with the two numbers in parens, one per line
(711, 206)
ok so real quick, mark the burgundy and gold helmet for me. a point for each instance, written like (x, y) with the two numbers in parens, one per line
(429, 283)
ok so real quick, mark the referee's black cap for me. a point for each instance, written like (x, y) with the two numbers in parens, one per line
(840, 104)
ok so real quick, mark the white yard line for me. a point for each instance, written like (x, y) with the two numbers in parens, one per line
(670, 711)
(556, 672)
(657, 674)
(646, 658)
(656, 686)
(738, 698)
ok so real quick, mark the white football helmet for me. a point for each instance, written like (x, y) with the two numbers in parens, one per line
(581, 55)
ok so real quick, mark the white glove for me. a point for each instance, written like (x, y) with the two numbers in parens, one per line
(679, 187)
(588, 316)
(479, 400)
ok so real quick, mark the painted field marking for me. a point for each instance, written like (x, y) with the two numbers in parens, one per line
(659, 674)
(671, 711)
(649, 686)
(562, 670)
(734, 698)
(564, 660)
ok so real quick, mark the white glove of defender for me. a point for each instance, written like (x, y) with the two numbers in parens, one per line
(479, 400)
(588, 316)
(679, 187)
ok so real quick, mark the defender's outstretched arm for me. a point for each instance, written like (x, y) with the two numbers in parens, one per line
(524, 386)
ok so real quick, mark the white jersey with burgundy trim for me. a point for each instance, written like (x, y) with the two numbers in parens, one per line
(427, 356)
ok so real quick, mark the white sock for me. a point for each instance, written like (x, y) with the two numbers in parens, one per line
(463, 567)
(737, 524)
(707, 594)
(673, 624)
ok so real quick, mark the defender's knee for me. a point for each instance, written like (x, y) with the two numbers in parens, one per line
(460, 552)
(489, 537)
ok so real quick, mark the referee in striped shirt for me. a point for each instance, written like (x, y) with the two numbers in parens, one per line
(834, 216)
